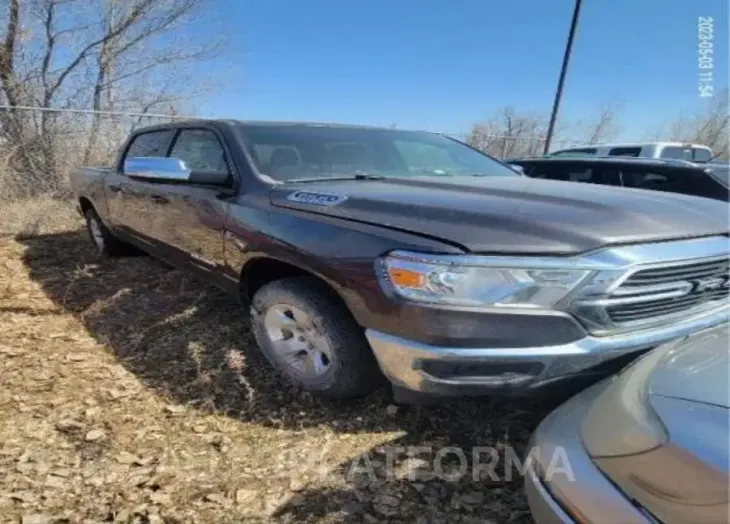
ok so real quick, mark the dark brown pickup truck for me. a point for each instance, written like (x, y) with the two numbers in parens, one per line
(365, 252)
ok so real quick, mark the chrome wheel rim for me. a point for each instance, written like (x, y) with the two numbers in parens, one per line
(96, 234)
(296, 342)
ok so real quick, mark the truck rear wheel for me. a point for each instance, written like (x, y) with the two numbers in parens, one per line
(105, 243)
(309, 337)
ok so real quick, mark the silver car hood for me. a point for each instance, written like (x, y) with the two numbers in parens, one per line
(696, 369)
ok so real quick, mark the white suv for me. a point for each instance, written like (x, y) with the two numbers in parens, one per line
(675, 150)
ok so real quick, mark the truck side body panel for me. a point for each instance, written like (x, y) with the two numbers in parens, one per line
(89, 182)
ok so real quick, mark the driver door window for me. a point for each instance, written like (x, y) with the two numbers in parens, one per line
(201, 150)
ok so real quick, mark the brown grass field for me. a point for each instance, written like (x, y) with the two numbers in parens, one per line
(132, 393)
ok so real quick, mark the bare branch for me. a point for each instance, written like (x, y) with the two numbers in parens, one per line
(82, 53)
(7, 54)
(710, 126)
(605, 126)
(137, 12)
(50, 41)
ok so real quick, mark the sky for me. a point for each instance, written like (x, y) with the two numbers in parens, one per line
(443, 65)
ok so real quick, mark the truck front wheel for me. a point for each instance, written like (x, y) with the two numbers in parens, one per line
(308, 335)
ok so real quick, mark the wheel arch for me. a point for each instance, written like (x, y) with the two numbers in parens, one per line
(262, 270)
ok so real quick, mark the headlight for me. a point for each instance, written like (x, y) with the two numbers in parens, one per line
(493, 282)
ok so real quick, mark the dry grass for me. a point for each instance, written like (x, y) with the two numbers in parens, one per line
(131, 393)
(38, 216)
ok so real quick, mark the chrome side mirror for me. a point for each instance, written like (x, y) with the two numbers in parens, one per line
(156, 168)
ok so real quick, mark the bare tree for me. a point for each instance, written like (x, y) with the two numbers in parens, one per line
(104, 54)
(509, 133)
(603, 127)
(708, 126)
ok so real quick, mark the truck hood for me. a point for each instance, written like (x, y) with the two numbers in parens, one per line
(511, 215)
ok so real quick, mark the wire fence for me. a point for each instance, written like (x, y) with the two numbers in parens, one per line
(40, 146)
(504, 147)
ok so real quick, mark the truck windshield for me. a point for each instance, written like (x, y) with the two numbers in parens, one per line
(291, 152)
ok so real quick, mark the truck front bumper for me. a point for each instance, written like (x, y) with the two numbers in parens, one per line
(445, 370)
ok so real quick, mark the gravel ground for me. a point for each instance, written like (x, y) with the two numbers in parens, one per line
(132, 393)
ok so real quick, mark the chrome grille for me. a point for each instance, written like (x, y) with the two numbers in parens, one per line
(698, 284)
(664, 275)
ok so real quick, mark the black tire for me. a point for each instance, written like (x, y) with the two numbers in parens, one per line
(106, 244)
(352, 369)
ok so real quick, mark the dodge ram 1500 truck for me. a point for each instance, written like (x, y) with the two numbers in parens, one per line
(362, 252)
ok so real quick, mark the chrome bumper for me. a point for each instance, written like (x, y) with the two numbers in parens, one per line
(410, 364)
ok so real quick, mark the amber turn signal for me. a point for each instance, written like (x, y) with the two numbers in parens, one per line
(405, 277)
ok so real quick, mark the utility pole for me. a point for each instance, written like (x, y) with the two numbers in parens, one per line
(561, 80)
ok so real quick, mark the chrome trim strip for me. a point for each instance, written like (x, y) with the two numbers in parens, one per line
(653, 288)
(711, 307)
(200, 258)
(701, 258)
(635, 299)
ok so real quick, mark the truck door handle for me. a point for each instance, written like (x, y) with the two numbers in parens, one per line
(159, 199)
(114, 188)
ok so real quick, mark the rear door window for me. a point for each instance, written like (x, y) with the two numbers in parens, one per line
(693, 154)
(675, 180)
(663, 181)
(577, 173)
(700, 154)
(688, 181)
(583, 151)
(625, 151)
(679, 153)
(154, 143)
(550, 172)
(608, 177)
(566, 172)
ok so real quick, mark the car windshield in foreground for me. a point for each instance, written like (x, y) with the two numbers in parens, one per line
(309, 152)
